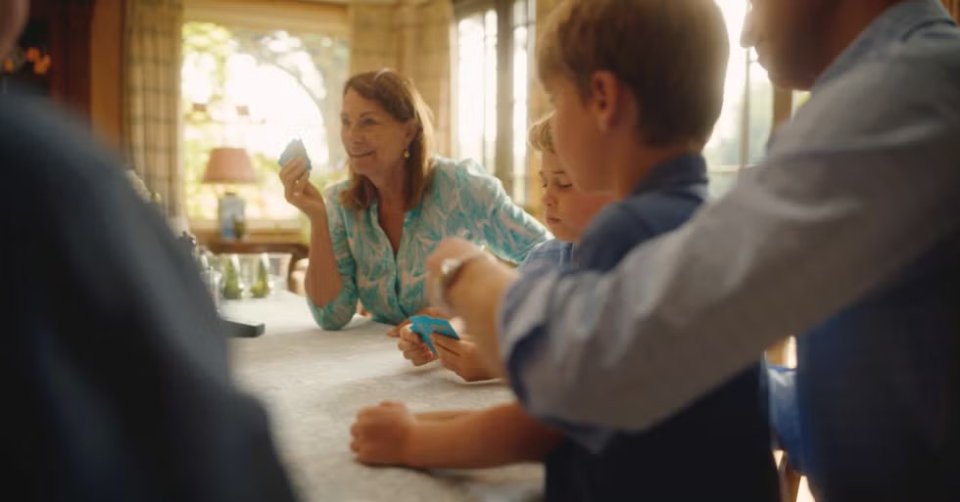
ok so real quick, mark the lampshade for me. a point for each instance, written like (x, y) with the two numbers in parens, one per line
(229, 165)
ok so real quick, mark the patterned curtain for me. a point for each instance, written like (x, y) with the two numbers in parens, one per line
(954, 7)
(414, 38)
(152, 96)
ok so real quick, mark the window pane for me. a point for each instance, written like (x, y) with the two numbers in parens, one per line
(490, 90)
(481, 108)
(477, 87)
(740, 136)
(521, 81)
(257, 90)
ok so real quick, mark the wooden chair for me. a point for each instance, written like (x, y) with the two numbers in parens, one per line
(789, 478)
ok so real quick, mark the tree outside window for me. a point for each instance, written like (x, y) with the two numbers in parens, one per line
(259, 89)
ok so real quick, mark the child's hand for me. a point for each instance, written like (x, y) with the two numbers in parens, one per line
(462, 358)
(413, 348)
(298, 190)
(395, 331)
(381, 434)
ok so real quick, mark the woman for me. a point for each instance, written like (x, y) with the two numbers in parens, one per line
(370, 235)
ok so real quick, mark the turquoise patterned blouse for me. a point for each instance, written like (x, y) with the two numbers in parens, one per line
(463, 201)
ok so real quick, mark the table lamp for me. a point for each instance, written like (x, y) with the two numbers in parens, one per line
(230, 166)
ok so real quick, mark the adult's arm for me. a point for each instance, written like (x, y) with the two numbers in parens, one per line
(847, 197)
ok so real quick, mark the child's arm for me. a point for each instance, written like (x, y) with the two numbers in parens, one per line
(439, 416)
(389, 434)
(495, 436)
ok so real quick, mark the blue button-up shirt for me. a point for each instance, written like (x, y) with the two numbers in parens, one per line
(547, 255)
(859, 192)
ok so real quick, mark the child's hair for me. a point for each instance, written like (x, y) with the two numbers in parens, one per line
(540, 137)
(672, 54)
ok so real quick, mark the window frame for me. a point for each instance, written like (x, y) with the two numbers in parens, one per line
(504, 167)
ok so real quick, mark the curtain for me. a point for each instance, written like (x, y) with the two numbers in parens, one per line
(954, 7)
(414, 38)
(152, 32)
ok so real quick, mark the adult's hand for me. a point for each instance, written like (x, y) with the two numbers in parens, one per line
(474, 295)
(298, 190)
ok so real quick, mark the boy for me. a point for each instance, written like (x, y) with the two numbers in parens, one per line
(502, 434)
(636, 124)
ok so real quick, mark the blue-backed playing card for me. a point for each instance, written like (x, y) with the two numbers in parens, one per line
(294, 148)
(424, 326)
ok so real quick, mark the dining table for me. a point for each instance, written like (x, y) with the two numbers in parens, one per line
(313, 382)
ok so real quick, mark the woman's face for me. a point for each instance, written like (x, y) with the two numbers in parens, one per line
(375, 142)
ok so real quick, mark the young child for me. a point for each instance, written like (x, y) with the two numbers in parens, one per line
(634, 122)
(567, 212)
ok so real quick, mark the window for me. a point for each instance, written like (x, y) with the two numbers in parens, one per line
(257, 88)
(799, 99)
(740, 137)
(494, 46)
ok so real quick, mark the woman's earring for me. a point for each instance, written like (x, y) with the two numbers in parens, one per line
(406, 154)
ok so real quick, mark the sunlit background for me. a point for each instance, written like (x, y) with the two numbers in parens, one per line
(260, 89)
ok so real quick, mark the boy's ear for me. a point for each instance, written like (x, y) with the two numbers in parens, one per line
(607, 99)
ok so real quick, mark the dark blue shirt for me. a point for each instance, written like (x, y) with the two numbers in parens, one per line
(114, 357)
(723, 437)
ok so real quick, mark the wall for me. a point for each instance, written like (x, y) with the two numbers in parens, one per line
(106, 70)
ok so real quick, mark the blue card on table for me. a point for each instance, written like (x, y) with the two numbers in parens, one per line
(424, 326)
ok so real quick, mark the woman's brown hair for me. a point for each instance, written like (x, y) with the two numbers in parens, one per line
(399, 98)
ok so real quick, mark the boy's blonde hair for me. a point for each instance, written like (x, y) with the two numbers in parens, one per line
(540, 137)
(672, 55)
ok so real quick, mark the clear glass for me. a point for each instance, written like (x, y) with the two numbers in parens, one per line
(232, 285)
(248, 269)
(212, 279)
(279, 270)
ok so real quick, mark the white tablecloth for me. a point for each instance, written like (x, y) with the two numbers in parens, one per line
(313, 382)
